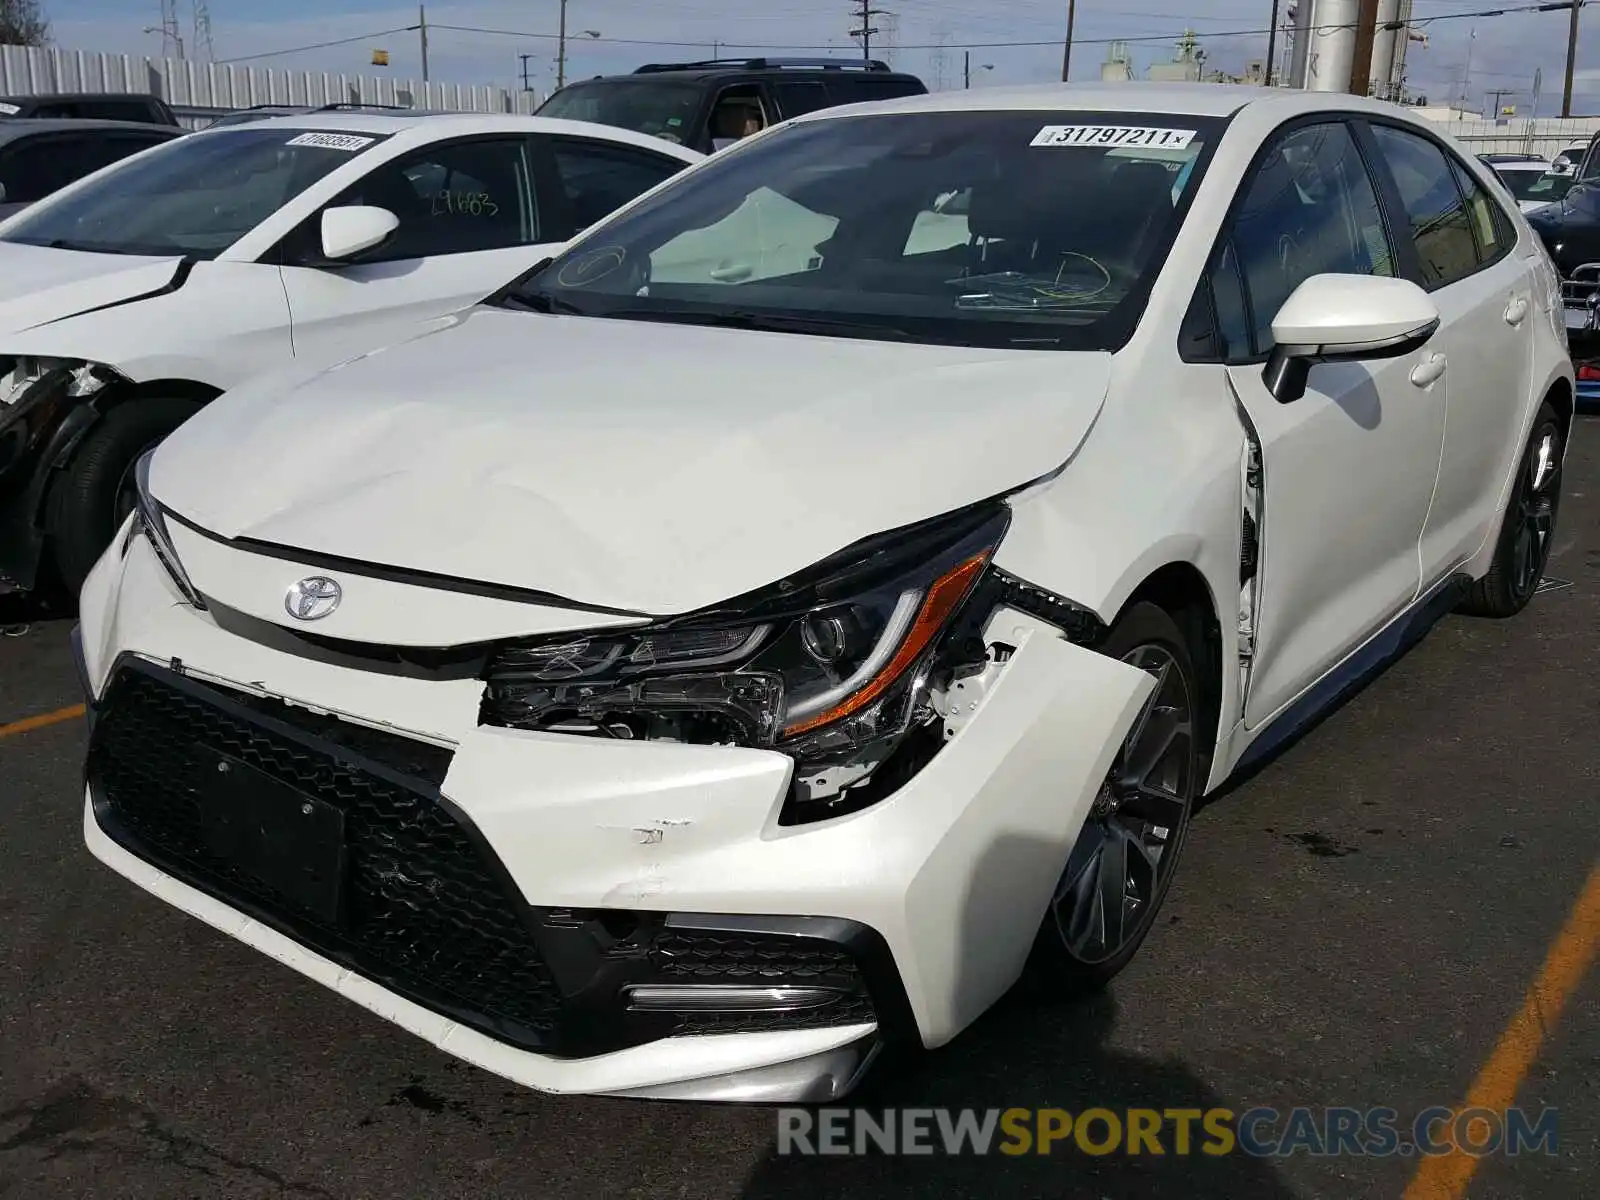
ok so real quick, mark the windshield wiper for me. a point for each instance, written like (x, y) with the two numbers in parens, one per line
(539, 302)
(769, 322)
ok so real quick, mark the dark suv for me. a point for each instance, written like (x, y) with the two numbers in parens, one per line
(706, 105)
(95, 106)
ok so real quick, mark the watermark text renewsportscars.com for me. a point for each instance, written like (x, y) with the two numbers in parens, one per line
(1256, 1132)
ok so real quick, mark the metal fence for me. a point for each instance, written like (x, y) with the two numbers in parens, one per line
(198, 91)
(1545, 136)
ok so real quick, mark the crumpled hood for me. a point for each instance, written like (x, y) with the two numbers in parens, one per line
(39, 285)
(642, 466)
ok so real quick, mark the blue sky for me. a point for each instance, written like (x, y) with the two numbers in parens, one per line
(1505, 53)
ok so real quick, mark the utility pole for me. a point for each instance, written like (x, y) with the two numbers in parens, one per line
(1272, 43)
(866, 31)
(525, 58)
(422, 28)
(1361, 59)
(1496, 95)
(561, 49)
(1572, 61)
(1066, 48)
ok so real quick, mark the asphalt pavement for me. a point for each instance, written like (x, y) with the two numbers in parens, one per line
(1356, 925)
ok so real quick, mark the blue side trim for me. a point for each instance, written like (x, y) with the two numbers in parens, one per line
(1379, 651)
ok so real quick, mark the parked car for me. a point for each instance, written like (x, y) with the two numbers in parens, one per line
(1531, 182)
(263, 112)
(40, 157)
(708, 105)
(130, 300)
(1566, 162)
(683, 683)
(90, 106)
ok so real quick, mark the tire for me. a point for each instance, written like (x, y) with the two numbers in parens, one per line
(84, 509)
(1061, 965)
(1527, 527)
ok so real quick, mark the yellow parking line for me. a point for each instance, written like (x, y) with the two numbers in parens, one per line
(27, 724)
(1446, 1177)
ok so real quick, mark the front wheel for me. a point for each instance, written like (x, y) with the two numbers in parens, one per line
(1124, 858)
(95, 492)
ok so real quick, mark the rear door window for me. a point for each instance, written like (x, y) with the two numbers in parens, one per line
(798, 98)
(595, 179)
(1440, 223)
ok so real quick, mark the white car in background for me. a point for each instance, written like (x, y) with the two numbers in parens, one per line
(1532, 182)
(683, 686)
(129, 300)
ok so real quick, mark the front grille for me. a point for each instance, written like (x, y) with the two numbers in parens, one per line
(425, 912)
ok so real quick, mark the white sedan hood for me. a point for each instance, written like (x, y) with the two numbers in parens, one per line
(650, 467)
(39, 285)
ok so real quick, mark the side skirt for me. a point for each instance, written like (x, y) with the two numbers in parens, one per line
(1369, 660)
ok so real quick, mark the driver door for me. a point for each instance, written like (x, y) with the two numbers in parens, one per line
(1347, 470)
(469, 222)
(474, 214)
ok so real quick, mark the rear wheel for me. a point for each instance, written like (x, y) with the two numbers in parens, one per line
(1528, 530)
(95, 492)
(1124, 858)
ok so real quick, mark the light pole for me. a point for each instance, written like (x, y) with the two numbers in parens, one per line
(966, 68)
(166, 33)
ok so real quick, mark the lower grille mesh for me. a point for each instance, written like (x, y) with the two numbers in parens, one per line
(425, 913)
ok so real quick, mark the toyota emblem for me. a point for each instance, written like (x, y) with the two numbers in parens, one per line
(313, 598)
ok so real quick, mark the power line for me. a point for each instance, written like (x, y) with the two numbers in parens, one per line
(434, 27)
(364, 37)
(1029, 43)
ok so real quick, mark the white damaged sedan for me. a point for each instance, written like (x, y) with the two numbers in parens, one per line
(822, 594)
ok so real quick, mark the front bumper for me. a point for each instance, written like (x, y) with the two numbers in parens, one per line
(506, 889)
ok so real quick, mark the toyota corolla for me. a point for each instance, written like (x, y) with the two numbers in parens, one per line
(819, 597)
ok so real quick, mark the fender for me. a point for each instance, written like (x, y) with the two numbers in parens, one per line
(22, 512)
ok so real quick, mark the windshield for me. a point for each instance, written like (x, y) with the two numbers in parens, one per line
(1030, 229)
(663, 110)
(1536, 185)
(194, 195)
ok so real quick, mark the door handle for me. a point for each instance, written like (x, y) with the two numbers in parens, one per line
(1428, 371)
(1516, 310)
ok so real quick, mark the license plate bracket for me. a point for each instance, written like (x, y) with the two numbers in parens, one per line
(290, 842)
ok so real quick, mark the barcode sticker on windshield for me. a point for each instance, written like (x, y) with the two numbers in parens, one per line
(1113, 135)
(331, 141)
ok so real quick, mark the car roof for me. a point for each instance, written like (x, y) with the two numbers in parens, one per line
(52, 97)
(12, 128)
(786, 68)
(422, 128)
(1167, 99)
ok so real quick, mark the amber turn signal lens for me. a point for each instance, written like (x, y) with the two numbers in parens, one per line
(948, 591)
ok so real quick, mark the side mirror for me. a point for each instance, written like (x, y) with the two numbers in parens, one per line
(1345, 318)
(348, 231)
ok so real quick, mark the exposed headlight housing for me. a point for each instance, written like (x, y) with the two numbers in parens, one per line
(18, 373)
(150, 520)
(834, 666)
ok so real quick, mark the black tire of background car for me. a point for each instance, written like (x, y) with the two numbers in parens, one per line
(1053, 971)
(81, 516)
(1498, 593)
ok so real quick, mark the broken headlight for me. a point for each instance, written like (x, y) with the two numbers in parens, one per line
(150, 519)
(18, 373)
(832, 666)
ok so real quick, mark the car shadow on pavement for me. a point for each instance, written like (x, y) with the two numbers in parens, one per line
(1030, 1051)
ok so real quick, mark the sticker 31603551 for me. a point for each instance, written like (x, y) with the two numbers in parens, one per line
(331, 141)
(1109, 136)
